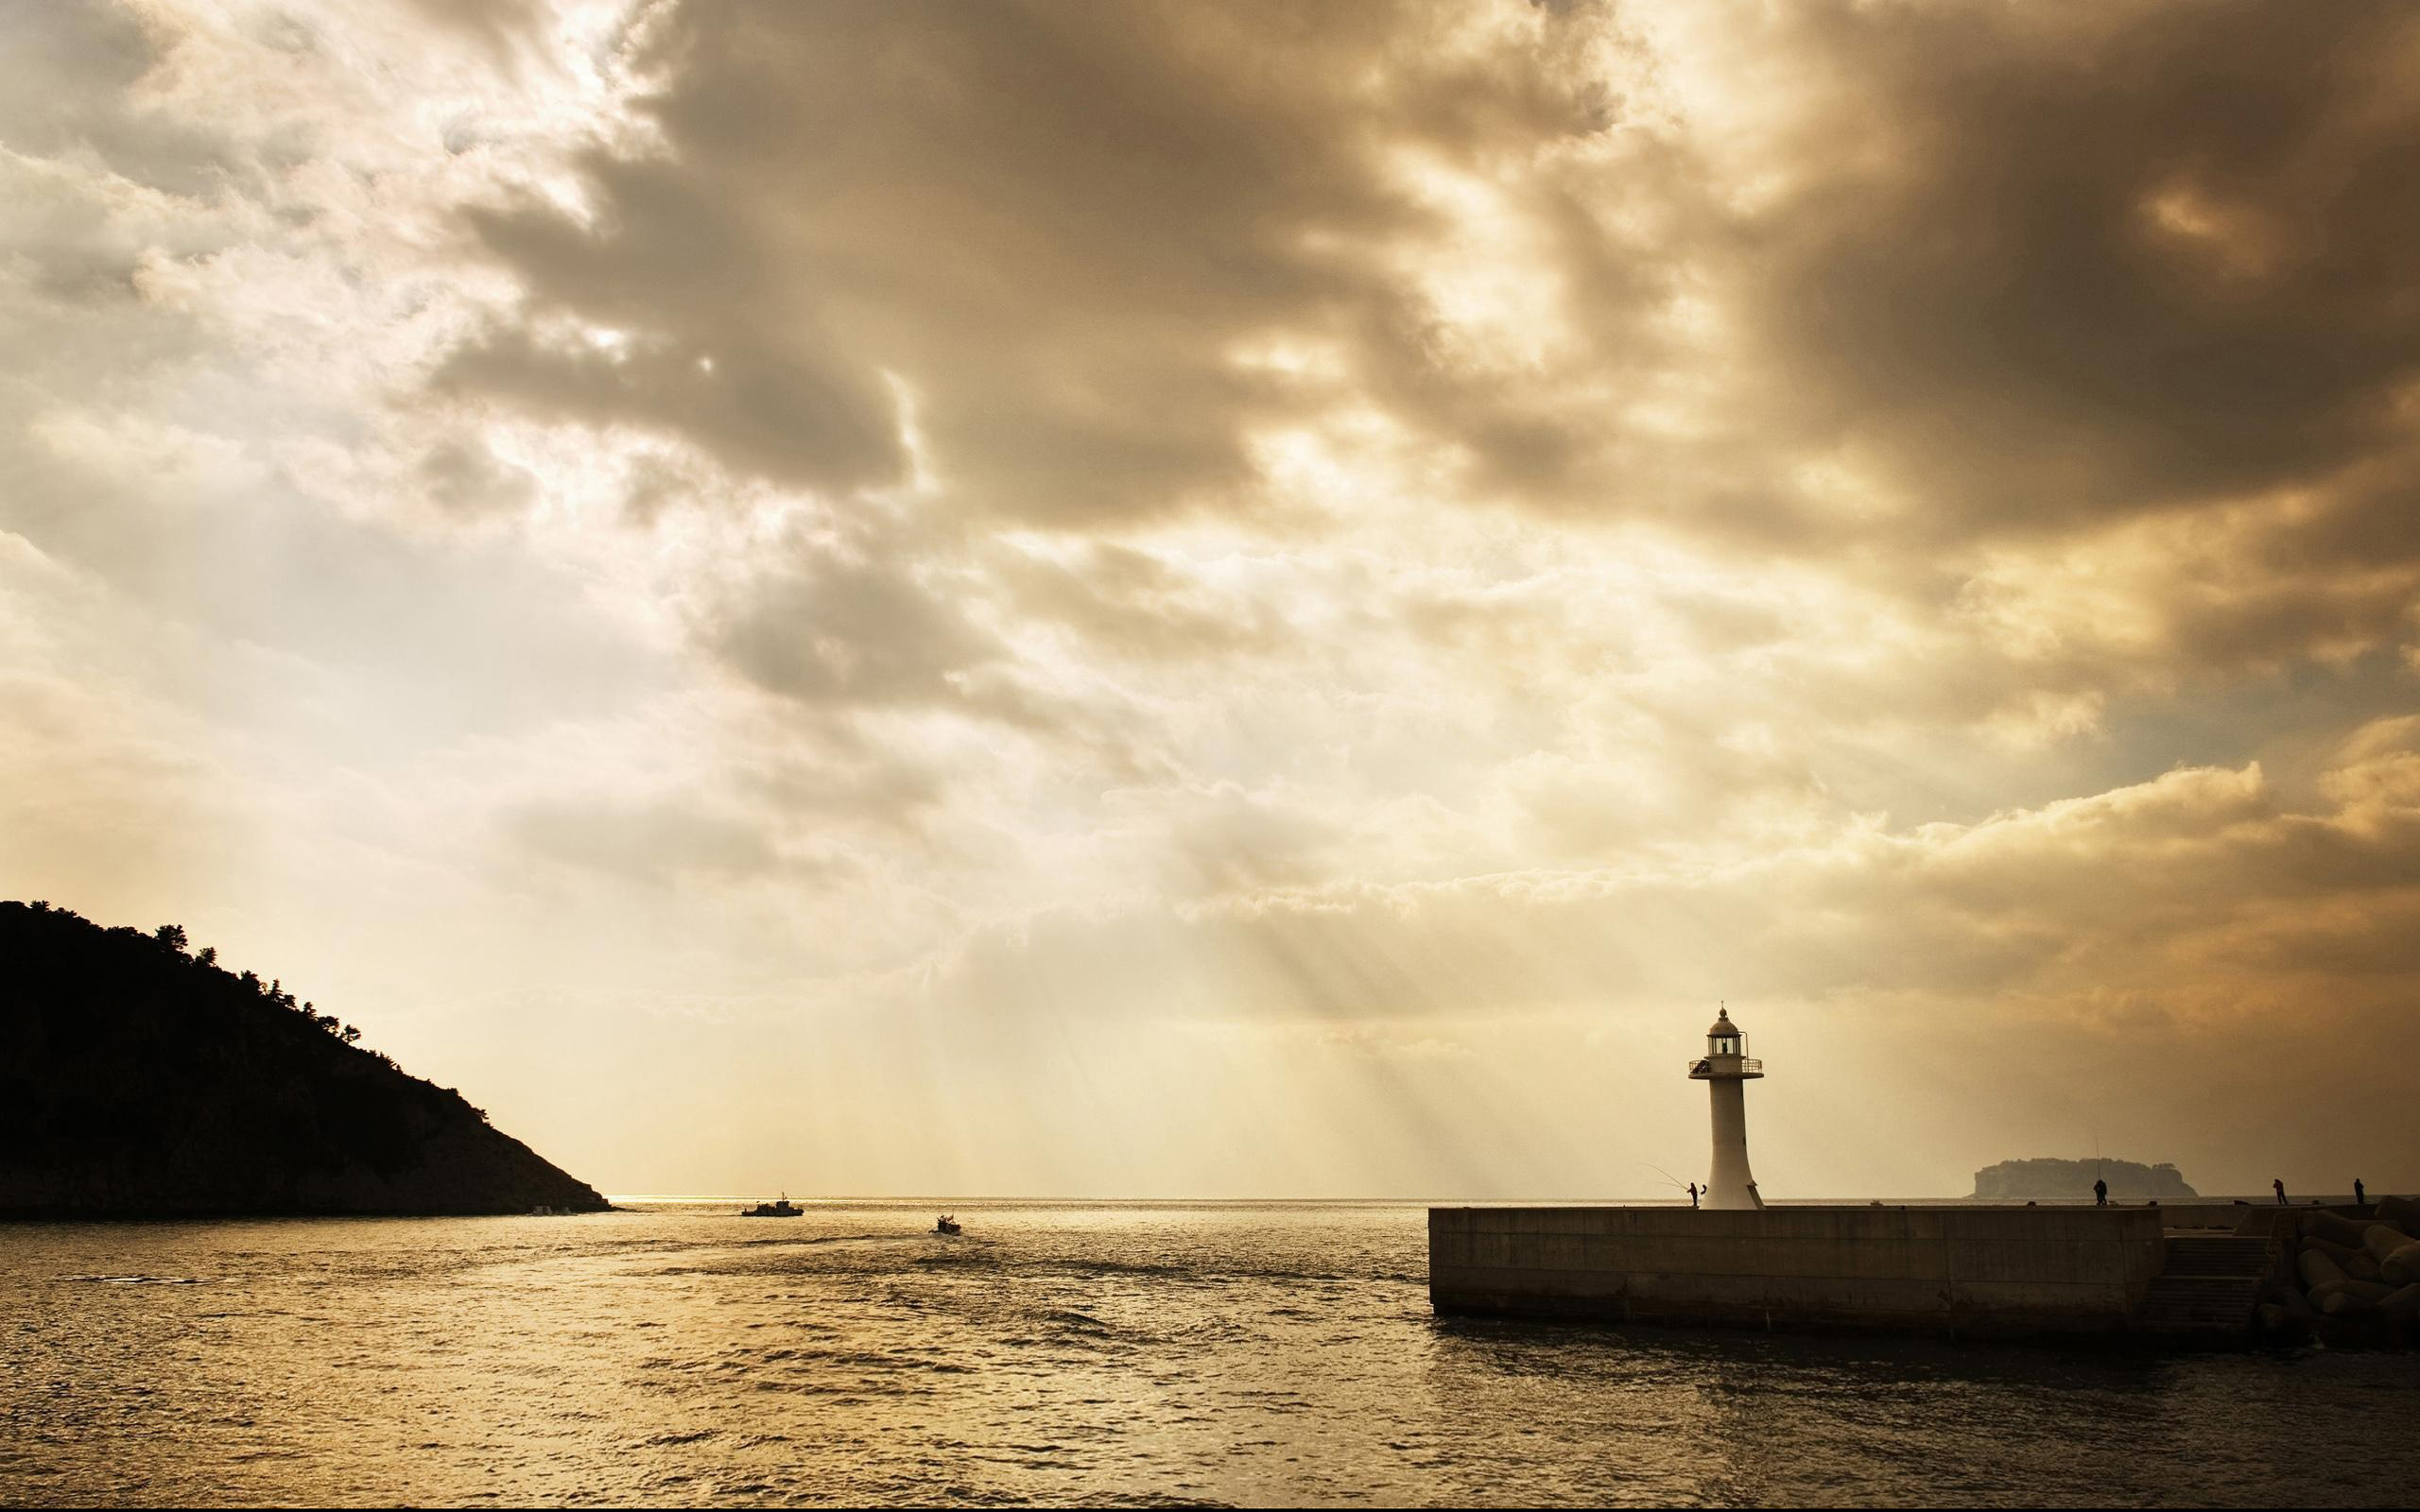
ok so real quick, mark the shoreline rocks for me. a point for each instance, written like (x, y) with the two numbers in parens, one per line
(2349, 1281)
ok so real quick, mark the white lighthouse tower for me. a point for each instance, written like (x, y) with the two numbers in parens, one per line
(1727, 1070)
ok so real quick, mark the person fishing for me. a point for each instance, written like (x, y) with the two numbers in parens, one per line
(1693, 1194)
(2099, 1193)
(2280, 1184)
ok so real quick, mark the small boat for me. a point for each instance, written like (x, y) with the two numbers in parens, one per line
(784, 1208)
(945, 1225)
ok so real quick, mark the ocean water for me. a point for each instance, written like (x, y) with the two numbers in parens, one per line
(1111, 1353)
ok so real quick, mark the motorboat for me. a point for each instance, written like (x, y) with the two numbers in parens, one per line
(784, 1208)
(945, 1225)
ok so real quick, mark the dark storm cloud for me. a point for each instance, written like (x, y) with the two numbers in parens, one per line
(2053, 262)
(70, 65)
(92, 176)
(719, 337)
(1127, 603)
(2037, 265)
(466, 479)
(831, 628)
(1053, 223)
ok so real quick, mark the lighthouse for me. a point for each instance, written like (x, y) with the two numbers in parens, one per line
(1726, 1069)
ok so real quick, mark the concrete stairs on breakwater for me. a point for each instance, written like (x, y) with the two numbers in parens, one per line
(2209, 1285)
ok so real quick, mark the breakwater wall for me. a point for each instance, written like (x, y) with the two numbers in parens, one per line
(1965, 1271)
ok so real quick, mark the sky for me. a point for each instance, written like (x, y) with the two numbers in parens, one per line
(1250, 600)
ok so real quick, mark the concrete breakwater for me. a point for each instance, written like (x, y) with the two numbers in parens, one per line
(1964, 1271)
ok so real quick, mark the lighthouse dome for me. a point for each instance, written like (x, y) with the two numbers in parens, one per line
(1722, 1024)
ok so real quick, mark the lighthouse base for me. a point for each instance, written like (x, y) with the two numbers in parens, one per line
(1730, 1188)
(1731, 1196)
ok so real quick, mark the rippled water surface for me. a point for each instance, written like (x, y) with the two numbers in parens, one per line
(1054, 1353)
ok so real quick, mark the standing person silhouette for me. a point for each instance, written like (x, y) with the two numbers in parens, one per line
(2280, 1185)
(2360, 1197)
(2099, 1193)
(1693, 1194)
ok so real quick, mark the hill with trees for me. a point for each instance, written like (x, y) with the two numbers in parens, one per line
(138, 1077)
(2050, 1180)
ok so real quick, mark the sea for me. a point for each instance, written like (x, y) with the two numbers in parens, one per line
(1124, 1354)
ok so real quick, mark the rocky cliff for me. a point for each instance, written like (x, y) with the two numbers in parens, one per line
(139, 1078)
(2071, 1180)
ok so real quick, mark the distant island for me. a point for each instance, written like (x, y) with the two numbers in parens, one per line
(137, 1077)
(2071, 1180)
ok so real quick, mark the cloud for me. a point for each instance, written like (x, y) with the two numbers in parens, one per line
(1344, 563)
(466, 478)
(659, 842)
(1124, 603)
(91, 60)
(827, 627)
(2047, 265)
(2169, 888)
(1057, 227)
(1939, 281)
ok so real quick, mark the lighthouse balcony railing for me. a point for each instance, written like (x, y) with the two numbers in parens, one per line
(1726, 1065)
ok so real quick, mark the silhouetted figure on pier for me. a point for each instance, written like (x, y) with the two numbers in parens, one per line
(2361, 1197)
(2099, 1193)
(2280, 1184)
(1693, 1194)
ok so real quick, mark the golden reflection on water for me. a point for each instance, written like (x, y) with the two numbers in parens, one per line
(1245, 1353)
